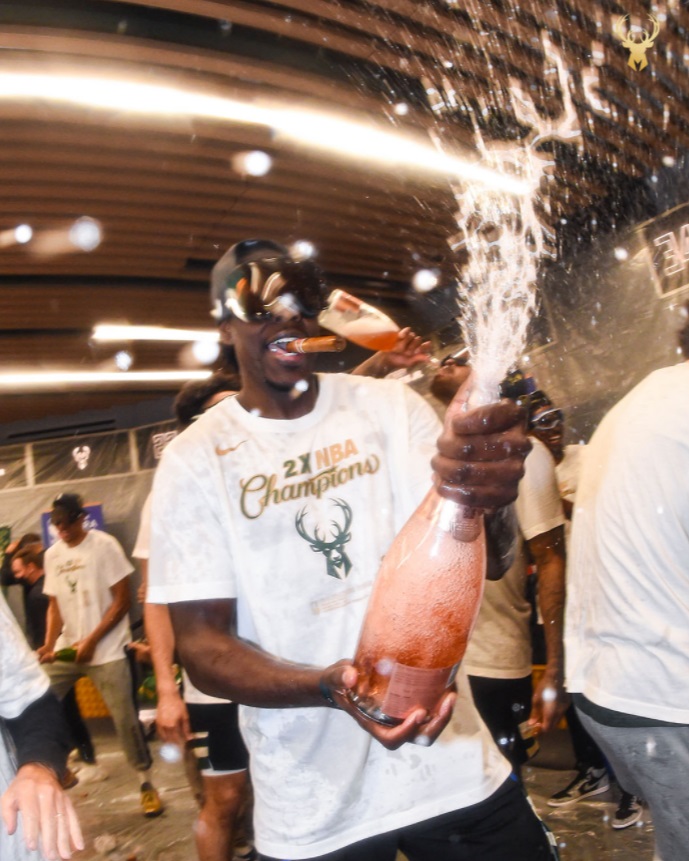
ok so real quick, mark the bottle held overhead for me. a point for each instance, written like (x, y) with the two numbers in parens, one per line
(359, 322)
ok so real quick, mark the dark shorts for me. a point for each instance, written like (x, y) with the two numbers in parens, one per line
(504, 704)
(504, 827)
(217, 743)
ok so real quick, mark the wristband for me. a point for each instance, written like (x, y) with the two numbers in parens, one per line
(327, 695)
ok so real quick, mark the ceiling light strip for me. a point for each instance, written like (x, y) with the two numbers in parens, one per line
(313, 129)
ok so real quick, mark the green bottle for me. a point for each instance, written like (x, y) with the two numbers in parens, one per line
(68, 654)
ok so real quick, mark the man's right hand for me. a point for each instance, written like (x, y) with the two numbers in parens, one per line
(172, 719)
(419, 727)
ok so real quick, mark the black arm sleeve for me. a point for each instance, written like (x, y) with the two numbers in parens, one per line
(502, 530)
(40, 734)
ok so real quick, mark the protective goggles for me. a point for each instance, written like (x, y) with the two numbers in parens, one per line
(275, 287)
(548, 420)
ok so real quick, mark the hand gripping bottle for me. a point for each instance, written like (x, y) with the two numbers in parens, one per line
(422, 608)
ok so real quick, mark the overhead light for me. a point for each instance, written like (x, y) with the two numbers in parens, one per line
(49, 380)
(111, 332)
(333, 134)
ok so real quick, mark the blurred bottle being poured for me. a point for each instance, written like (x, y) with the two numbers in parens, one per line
(359, 322)
(423, 606)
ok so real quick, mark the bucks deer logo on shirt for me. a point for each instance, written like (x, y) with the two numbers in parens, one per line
(331, 541)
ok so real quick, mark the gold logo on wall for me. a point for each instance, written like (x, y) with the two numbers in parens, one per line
(637, 49)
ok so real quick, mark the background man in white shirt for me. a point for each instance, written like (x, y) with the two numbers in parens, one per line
(87, 579)
(627, 621)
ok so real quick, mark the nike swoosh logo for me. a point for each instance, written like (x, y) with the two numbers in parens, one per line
(221, 451)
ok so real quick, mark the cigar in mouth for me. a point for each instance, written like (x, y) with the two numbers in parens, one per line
(326, 344)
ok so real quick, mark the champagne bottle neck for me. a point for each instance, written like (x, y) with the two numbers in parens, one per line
(460, 521)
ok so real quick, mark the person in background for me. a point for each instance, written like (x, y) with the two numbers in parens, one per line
(627, 632)
(208, 724)
(6, 575)
(87, 580)
(546, 423)
(593, 777)
(256, 614)
(38, 819)
(28, 571)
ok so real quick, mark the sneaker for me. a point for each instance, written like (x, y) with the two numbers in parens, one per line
(629, 811)
(244, 853)
(86, 753)
(590, 781)
(150, 801)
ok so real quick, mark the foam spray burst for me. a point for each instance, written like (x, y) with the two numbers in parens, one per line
(505, 239)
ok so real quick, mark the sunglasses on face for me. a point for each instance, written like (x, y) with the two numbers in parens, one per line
(547, 421)
(265, 290)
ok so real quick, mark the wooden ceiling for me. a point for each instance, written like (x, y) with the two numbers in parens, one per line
(170, 200)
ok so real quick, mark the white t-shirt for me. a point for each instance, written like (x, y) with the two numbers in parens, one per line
(22, 682)
(142, 544)
(243, 507)
(80, 579)
(500, 644)
(142, 551)
(627, 618)
(568, 471)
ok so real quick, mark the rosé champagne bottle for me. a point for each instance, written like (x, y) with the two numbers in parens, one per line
(358, 322)
(422, 609)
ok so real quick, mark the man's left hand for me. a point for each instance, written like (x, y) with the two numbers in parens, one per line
(420, 727)
(85, 650)
(481, 452)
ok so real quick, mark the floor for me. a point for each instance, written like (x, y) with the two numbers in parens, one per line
(108, 805)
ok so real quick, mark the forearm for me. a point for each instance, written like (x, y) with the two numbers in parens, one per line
(376, 365)
(111, 618)
(223, 665)
(551, 600)
(161, 639)
(53, 626)
(501, 541)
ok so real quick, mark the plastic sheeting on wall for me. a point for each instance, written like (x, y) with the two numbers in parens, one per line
(615, 312)
(113, 469)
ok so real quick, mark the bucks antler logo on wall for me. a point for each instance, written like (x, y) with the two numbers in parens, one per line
(332, 543)
(637, 49)
(81, 455)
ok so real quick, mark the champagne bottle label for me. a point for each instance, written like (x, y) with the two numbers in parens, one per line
(411, 687)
